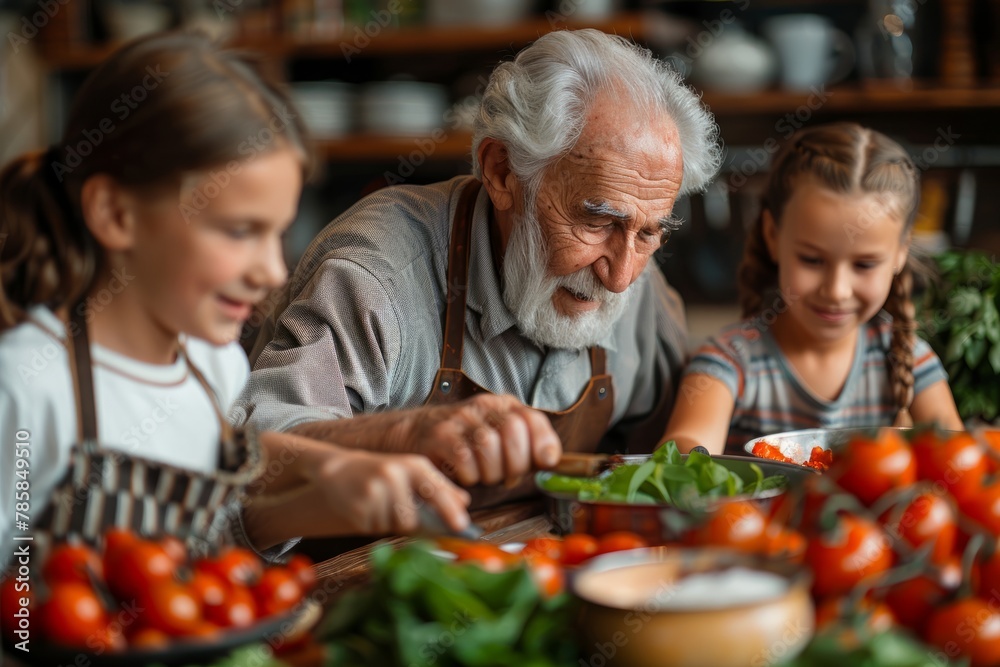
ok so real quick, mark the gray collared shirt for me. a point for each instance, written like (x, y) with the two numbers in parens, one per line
(358, 329)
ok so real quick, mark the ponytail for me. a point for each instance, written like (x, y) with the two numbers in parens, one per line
(47, 256)
(904, 324)
(757, 272)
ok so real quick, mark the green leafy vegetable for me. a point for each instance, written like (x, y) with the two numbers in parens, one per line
(666, 477)
(421, 610)
(841, 645)
(960, 317)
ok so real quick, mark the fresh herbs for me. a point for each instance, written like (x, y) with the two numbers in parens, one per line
(960, 318)
(422, 610)
(666, 477)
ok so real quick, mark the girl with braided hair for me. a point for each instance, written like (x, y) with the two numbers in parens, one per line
(827, 336)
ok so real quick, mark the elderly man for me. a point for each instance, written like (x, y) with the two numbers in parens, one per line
(436, 315)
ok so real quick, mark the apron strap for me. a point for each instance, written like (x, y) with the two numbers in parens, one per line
(78, 348)
(458, 276)
(229, 453)
(598, 358)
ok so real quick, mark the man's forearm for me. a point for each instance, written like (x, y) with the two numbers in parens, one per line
(382, 432)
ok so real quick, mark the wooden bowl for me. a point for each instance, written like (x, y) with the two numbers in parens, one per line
(635, 613)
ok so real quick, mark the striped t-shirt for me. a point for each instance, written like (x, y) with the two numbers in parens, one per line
(771, 398)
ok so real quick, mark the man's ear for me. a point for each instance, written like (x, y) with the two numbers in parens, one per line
(108, 213)
(770, 233)
(499, 180)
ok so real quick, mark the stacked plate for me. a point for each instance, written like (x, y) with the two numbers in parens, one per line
(327, 107)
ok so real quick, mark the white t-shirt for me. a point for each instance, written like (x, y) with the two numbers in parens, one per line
(148, 410)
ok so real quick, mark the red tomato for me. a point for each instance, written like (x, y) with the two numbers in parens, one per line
(983, 507)
(877, 616)
(71, 562)
(171, 607)
(118, 538)
(131, 570)
(204, 631)
(987, 579)
(547, 574)
(234, 566)
(302, 567)
(737, 525)
(72, 615)
(868, 468)
(488, 556)
(149, 638)
(784, 543)
(958, 462)
(10, 603)
(277, 591)
(855, 549)
(238, 610)
(578, 547)
(208, 588)
(106, 641)
(175, 549)
(971, 626)
(913, 600)
(545, 546)
(620, 540)
(929, 518)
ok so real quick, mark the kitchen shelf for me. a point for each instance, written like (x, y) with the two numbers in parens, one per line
(643, 27)
(857, 99)
(456, 145)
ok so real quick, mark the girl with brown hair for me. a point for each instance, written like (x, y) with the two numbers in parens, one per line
(131, 252)
(827, 337)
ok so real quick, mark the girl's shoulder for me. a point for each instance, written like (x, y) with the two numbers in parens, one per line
(225, 367)
(33, 350)
(743, 339)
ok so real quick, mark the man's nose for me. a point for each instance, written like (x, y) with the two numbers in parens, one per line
(621, 262)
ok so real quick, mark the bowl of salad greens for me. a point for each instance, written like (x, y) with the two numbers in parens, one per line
(663, 495)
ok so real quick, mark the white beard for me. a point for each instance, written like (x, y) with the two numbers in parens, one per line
(528, 291)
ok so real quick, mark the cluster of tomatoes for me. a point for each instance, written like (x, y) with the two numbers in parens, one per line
(144, 594)
(545, 557)
(888, 526)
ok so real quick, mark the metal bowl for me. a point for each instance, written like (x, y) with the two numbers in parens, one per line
(797, 445)
(658, 523)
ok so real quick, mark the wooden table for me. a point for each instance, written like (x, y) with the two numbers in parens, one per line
(515, 522)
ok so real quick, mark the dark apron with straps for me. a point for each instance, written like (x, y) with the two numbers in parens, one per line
(104, 488)
(581, 427)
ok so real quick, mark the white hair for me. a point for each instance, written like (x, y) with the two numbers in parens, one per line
(536, 104)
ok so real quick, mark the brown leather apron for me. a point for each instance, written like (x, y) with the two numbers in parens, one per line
(102, 487)
(580, 427)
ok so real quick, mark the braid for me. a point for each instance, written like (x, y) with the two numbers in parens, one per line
(757, 271)
(900, 306)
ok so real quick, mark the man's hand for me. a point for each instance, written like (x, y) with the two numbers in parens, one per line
(486, 439)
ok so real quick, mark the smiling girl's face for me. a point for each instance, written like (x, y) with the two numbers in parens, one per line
(203, 262)
(836, 256)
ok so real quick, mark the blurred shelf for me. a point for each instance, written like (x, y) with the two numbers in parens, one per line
(452, 145)
(855, 99)
(643, 27)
